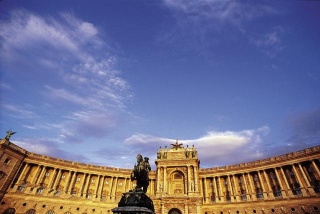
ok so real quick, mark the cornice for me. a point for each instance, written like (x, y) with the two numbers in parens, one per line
(290, 158)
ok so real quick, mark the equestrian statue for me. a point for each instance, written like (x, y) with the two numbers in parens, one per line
(140, 173)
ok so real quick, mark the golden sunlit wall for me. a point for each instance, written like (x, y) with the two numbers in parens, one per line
(32, 183)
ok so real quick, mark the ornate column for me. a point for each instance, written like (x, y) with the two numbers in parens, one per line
(115, 188)
(101, 187)
(17, 184)
(205, 190)
(150, 188)
(188, 179)
(201, 189)
(162, 208)
(50, 182)
(195, 174)
(34, 175)
(65, 189)
(235, 188)
(304, 175)
(81, 189)
(215, 189)
(315, 167)
(186, 208)
(309, 187)
(253, 192)
(26, 166)
(230, 187)
(72, 180)
(246, 186)
(42, 173)
(280, 183)
(286, 182)
(262, 185)
(158, 180)
(33, 180)
(54, 187)
(96, 190)
(302, 188)
(125, 184)
(220, 189)
(165, 180)
(85, 189)
(270, 192)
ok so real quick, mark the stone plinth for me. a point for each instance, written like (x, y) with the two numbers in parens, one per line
(131, 210)
(135, 201)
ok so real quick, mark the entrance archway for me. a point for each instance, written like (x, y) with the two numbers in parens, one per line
(174, 211)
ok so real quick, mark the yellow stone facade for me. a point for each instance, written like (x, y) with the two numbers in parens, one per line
(31, 183)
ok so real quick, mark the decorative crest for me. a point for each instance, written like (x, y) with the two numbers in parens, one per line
(176, 145)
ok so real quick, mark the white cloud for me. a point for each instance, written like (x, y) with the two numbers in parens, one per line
(214, 147)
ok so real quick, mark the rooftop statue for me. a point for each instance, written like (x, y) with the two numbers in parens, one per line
(9, 134)
(140, 173)
(177, 145)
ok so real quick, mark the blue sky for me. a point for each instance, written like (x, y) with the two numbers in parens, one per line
(101, 81)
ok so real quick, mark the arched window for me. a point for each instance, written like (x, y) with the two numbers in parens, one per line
(10, 211)
(178, 175)
(50, 212)
(32, 211)
(174, 211)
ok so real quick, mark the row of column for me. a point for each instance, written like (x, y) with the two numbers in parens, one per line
(190, 184)
(261, 179)
(88, 185)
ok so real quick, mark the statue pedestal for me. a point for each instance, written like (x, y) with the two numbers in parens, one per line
(132, 210)
(135, 202)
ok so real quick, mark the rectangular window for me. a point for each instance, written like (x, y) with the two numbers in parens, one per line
(7, 161)
(2, 174)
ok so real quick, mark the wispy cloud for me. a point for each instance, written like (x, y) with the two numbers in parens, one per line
(212, 22)
(72, 71)
(49, 147)
(270, 42)
(214, 147)
(226, 11)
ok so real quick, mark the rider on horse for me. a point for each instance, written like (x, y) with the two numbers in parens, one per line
(140, 173)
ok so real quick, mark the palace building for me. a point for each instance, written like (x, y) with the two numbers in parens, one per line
(31, 183)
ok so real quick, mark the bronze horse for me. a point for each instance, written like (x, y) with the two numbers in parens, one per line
(140, 173)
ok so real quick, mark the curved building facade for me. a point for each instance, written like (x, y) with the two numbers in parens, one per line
(31, 183)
